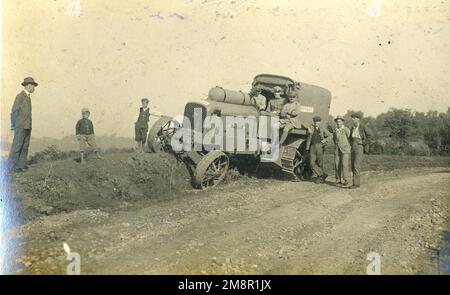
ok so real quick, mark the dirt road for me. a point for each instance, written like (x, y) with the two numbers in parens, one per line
(256, 226)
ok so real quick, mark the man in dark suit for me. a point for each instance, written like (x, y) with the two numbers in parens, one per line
(21, 125)
(315, 144)
(359, 140)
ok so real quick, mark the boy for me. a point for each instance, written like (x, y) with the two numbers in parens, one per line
(85, 134)
(141, 125)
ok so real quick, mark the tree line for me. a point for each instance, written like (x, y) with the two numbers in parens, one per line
(406, 132)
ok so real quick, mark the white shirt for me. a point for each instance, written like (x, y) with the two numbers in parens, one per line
(27, 93)
(339, 130)
(260, 100)
(355, 133)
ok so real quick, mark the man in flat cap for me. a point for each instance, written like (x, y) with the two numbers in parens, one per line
(359, 139)
(342, 151)
(141, 125)
(21, 125)
(315, 144)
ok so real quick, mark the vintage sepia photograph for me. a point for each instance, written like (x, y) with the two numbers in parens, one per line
(225, 137)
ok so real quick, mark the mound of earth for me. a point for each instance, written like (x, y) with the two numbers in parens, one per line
(119, 180)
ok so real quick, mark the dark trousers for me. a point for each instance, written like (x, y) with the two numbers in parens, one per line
(316, 158)
(357, 158)
(19, 149)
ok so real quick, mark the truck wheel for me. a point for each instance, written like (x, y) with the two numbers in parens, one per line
(160, 134)
(211, 170)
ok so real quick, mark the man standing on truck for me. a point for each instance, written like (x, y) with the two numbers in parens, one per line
(315, 144)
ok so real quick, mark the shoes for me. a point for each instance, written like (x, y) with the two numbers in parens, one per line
(345, 183)
(319, 180)
(324, 176)
(353, 187)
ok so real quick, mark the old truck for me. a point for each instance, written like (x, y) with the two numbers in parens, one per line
(209, 166)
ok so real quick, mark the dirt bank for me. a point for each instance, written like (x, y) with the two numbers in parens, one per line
(53, 187)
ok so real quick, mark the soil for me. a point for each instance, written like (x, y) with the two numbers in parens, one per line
(138, 214)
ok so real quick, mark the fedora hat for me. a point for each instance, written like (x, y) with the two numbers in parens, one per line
(29, 80)
(339, 117)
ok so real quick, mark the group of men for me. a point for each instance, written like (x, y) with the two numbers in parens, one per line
(21, 125)
(349, 146)
(349, 142)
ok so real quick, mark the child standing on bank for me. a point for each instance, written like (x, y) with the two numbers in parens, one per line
(85, 134)
(141, 125)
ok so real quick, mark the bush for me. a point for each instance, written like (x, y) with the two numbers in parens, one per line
(51, 153)
(376, 148)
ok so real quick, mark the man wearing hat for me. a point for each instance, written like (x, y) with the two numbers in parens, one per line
(21, 125)
(141, 125)
(342, 151)
(359, 139)
(276, 103)
(315, 144)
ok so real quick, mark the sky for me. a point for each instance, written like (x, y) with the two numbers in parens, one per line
(106, 55)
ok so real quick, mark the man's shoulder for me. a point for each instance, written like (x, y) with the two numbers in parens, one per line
(83, 119)
(21, 94)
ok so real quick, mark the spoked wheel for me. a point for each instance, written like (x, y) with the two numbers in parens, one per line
(160, 134)
(211, 170)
